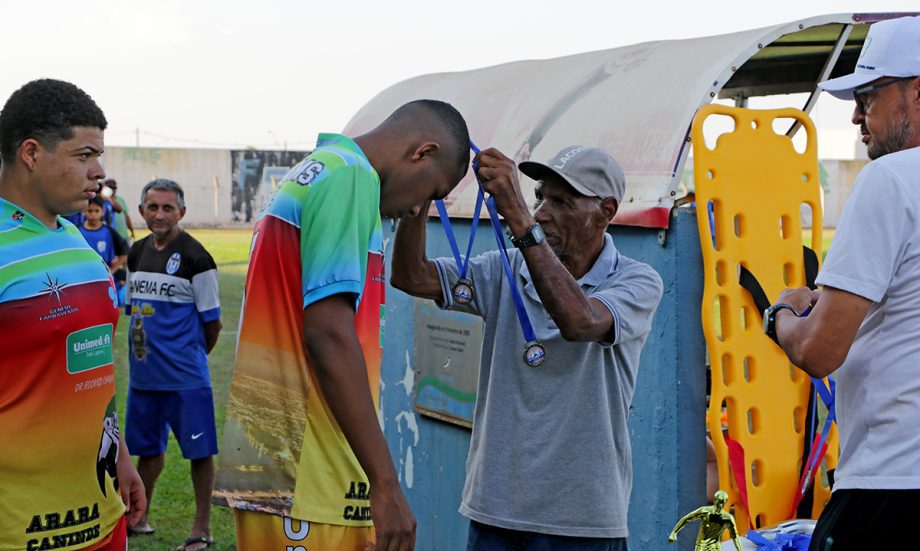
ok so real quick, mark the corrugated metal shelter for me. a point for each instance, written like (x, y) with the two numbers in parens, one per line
(637, 102)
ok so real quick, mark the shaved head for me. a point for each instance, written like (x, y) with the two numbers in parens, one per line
(420, 152)
(429, 119)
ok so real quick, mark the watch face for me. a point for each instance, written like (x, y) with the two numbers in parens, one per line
(766, 321)
(537, 232)
(534, 236)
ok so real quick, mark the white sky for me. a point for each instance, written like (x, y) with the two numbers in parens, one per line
(269, 73)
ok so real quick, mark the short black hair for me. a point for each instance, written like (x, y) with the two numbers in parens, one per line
(443, 115)
(98, 201)
(46, 110)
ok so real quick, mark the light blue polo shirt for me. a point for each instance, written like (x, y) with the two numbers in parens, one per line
(550, 447)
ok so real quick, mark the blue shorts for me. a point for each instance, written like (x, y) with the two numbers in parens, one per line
(190, 414)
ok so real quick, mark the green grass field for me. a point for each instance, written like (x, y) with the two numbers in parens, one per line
(173, 502)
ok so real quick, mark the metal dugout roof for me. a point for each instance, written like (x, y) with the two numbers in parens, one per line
(635, 101)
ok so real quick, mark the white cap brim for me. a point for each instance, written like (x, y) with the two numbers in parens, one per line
(842, 87)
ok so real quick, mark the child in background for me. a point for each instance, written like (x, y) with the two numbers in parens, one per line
(105, 241)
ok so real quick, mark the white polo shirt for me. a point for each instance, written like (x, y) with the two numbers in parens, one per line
(876, 255)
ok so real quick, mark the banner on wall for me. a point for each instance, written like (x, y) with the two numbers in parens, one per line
(255, 174)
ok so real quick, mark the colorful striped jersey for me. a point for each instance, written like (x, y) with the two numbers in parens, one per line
(58, 426)
(283, 452)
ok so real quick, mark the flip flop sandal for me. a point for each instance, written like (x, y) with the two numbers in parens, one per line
(144, 530)
(195, 539)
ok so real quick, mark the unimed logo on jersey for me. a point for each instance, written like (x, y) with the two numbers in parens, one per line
(89, 348)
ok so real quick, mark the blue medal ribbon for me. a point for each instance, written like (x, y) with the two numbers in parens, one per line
(534, 353)
(828, 395)
(463, 292)
(526, 327)
(462, 263)
(780, 542)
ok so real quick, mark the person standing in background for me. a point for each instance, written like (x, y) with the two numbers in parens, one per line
(105, 241)
(121, 221)
(175, 322)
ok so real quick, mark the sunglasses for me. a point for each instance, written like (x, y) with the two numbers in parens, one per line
(862, 94)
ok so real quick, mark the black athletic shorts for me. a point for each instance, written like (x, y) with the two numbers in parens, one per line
(867, 520)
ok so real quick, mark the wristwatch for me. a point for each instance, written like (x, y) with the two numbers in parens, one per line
(533, 236)
(769, 319)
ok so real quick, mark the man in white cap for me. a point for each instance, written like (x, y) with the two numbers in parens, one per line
(865, 324)
(550, 464)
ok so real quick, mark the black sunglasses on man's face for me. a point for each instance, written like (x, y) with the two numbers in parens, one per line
(862, 94)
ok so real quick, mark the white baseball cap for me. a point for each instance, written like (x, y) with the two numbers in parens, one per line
(891, 49)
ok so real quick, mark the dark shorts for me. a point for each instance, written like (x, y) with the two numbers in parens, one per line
(189, 413)
(868, 519)
(483, 537)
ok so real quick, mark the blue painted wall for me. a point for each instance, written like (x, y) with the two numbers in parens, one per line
(667, 424)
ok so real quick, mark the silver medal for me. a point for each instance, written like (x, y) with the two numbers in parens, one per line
(463, 291)
(534, 353)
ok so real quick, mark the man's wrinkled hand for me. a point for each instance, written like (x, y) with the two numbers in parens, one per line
(498, 174)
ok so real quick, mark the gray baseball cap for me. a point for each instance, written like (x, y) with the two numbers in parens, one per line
(590, 170)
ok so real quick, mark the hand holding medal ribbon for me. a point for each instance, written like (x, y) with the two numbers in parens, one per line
(534, 352)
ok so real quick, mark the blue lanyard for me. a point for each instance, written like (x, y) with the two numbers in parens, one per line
(780, 542)
(828, 396)
(529, 334)
(534, 352)
(462, 263)
(818, 448)
(526, 327)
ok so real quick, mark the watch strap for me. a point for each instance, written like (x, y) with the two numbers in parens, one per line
(526, 240)
(769, 318)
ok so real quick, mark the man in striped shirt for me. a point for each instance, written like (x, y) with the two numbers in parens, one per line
(65, 465)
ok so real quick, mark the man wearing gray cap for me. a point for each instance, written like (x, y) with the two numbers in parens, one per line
(550, 464)
(865, 324)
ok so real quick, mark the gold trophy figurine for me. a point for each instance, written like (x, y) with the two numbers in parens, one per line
(713, 521)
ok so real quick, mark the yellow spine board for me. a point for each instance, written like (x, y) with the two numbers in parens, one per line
(757, 183)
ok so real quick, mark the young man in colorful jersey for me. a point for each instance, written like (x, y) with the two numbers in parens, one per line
(105, 241)
(63, 465)
(302, 440)
(175, 322)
